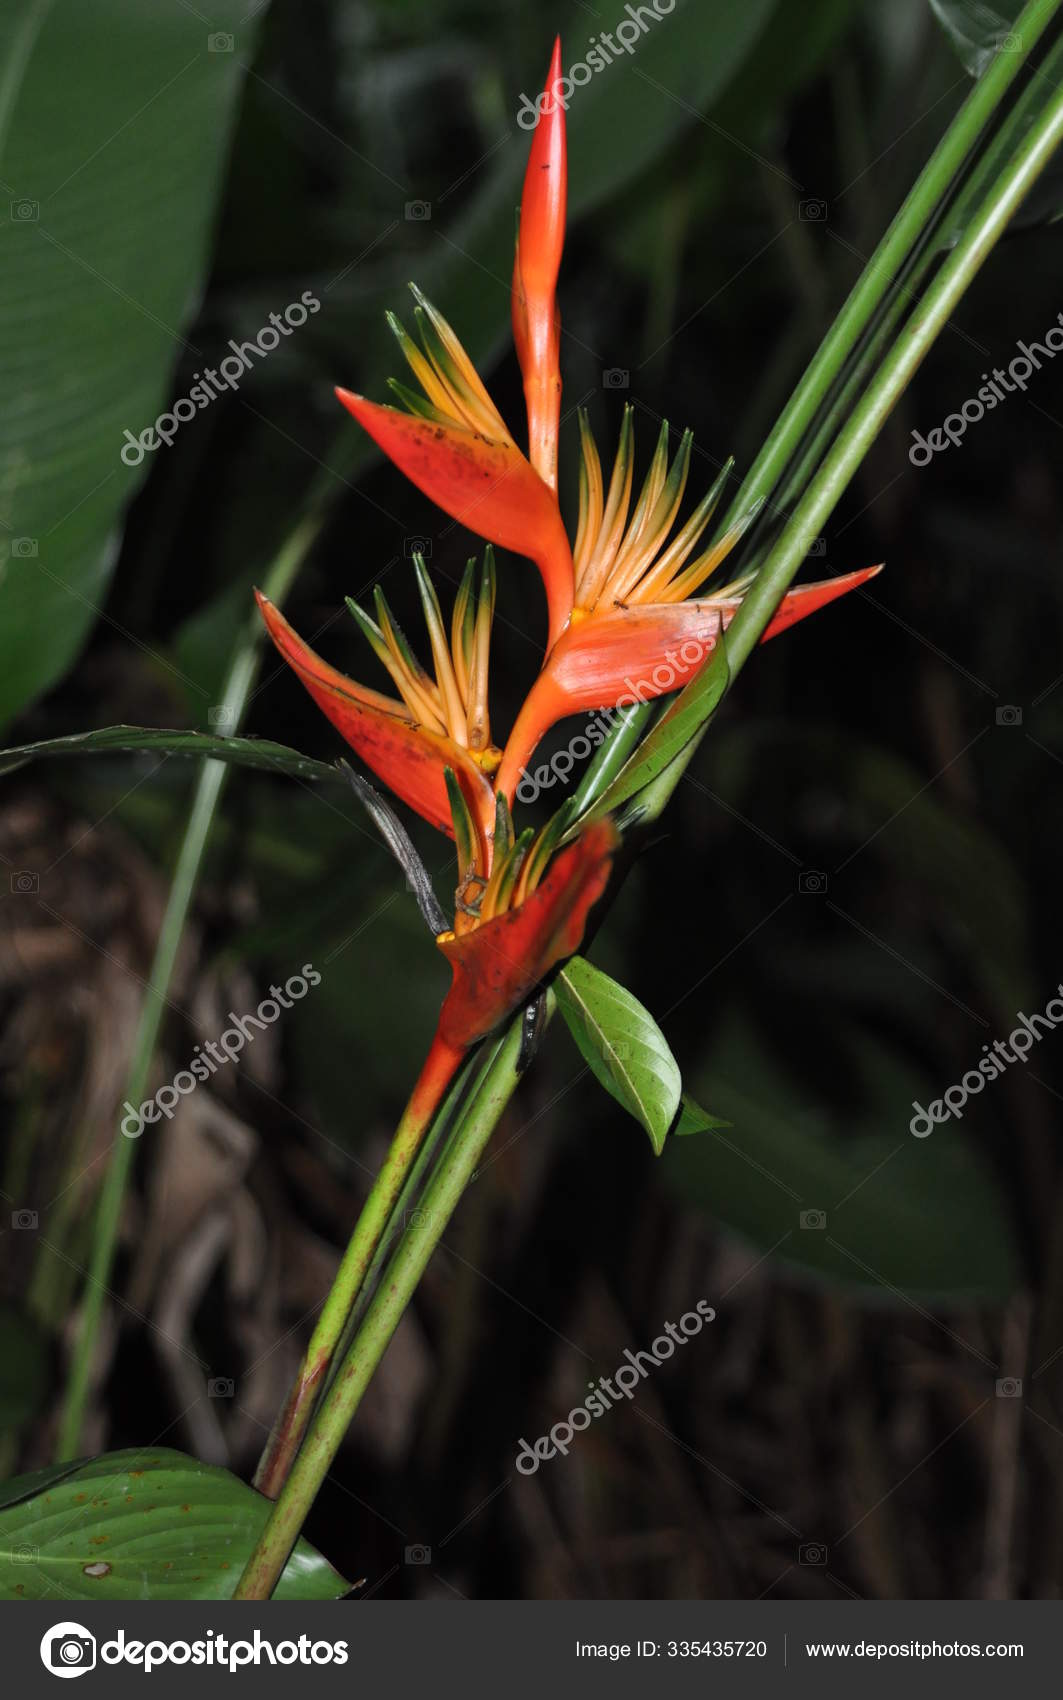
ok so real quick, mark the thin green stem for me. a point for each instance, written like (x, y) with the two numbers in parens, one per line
(930, 187)
(186, 871)
(441, 1196)
(376, 1217)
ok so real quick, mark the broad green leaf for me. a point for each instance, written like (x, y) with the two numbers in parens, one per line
(858, 1201)
(622, 1044)
(114, 128)
(693, 1119)
(141, 1525)
(260, 753)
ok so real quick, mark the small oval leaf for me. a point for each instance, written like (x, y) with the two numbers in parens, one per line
(622, 1044)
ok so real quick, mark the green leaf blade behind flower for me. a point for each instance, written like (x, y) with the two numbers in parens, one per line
(622, 1045)
(114, 133)
(141, 1525)
(260, 753)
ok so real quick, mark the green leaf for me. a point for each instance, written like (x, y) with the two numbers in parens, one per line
(259, 753)
(141, 1525)
(622, 1044)
(114, 128)
(693, 1119)
(857, 1201)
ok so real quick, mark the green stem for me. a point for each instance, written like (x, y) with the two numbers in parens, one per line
(656, 758)
(441, 1196)
(930, 187)
(373, 1222)
(189, 859)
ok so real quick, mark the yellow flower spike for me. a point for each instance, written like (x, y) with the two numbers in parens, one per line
(479, 719)
(462, 627)
(591, 496)
(684, 542)
(643, 542)
(500, 887)
(447, 684)
(614, 518)
(412, 683)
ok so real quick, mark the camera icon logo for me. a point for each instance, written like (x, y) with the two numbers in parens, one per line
(24, 1219)
(812, 211)
(412, 546)
(68, 1650)
(222, 714)
(418, 212)
(1009, 715)
(25, 212)
(817, 548)
(24, 548)
(812, 1552)
(417, 1218)
(616, 378)
(812, 882)
(1011, 44)
(220, 43)
(221, 1387)
(25, 1555)
(813, 1219)
(417, 1555)
(1009, 1387)
(24, 883)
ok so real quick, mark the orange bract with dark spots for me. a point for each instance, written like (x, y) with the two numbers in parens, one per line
(498, 966)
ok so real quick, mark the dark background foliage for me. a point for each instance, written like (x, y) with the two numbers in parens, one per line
(851, 896)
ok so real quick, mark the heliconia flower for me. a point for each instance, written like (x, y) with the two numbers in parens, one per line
(638, 628)
(537, 261)
(454, 445)
(438, 725)
(533, 914)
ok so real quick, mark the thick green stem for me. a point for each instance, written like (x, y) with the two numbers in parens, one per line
(930, 187)
(696, 705)
(462, 1154)
(186, 871)
(283, 1444)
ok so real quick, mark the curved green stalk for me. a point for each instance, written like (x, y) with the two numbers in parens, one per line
(209, 786)
(929, 189)
(439, 1200)
(410, 1150)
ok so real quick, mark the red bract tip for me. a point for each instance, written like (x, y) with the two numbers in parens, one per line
(541, 238)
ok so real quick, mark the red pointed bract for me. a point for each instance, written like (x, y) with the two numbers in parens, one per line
(487, 486)
(497, 966)
(409, 759)
(540, 241)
